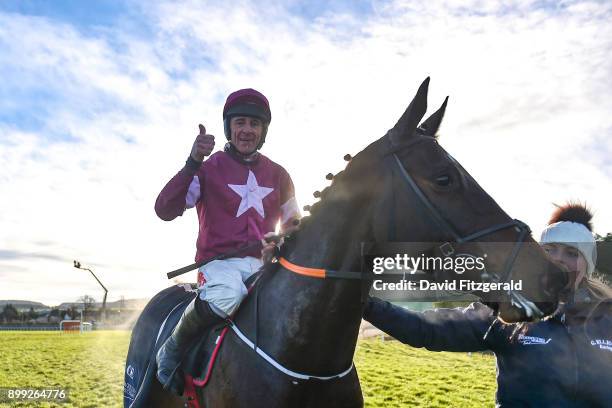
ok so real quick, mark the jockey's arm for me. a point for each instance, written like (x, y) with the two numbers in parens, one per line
(180, 193)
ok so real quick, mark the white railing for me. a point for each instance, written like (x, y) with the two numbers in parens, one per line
(29, 328)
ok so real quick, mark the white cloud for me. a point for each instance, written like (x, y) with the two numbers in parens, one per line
(528, 116)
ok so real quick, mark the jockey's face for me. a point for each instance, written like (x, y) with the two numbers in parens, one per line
(245, 133)
(570, 258)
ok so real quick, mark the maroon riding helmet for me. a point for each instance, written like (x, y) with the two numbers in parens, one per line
(247, 102)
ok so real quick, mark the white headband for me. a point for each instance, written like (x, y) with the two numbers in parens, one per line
(575, 235)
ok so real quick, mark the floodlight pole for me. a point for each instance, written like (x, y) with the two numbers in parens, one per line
(77, 265)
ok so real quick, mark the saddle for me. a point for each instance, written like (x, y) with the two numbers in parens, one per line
(151, 331)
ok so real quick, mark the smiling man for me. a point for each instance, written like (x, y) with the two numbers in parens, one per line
(240, 195)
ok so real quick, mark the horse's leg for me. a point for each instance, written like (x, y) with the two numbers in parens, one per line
(158, 398)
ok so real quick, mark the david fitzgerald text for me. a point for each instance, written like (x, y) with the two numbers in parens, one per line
(463, 285)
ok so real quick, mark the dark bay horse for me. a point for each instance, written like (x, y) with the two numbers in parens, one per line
(402, 187)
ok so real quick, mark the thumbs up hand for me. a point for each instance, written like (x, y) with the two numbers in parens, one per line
(203, 145)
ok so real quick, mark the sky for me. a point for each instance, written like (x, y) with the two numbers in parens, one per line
(100, 102)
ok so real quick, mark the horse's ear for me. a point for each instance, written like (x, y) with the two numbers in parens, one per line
(431, 125)
(406, 125)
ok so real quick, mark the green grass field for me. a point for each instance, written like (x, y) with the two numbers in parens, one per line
(91, 366)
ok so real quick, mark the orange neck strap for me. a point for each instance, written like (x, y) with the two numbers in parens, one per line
(302, 270)
(321, 273)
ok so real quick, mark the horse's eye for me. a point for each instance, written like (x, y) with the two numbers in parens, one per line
(443, 181)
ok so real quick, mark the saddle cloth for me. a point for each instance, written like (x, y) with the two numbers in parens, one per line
(152, 328)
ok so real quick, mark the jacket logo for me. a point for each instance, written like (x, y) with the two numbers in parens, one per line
(528, 340)
(602, 343)
(130, 371)
(251, 195)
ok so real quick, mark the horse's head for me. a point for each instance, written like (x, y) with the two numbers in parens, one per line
(422, 194)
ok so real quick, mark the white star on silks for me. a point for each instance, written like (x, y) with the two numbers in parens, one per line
(251, 195)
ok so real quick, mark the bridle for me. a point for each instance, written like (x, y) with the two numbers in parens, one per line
(448, 247)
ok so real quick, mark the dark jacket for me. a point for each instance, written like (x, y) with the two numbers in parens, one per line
(554, 363)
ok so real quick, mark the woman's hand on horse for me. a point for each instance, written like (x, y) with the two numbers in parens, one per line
(203, 145)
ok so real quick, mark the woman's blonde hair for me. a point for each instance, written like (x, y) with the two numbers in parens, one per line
(599, 291)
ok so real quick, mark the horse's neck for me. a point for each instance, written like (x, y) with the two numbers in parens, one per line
(315, 322)
(328, 244)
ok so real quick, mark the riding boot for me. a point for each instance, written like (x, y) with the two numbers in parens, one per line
(197, 317)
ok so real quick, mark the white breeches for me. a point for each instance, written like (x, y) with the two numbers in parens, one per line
(224, 287)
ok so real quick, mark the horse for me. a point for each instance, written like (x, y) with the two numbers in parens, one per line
(403, 187)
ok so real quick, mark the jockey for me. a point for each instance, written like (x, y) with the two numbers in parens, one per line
(240, 195)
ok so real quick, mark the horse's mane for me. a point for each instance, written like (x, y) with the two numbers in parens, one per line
(338, 182)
